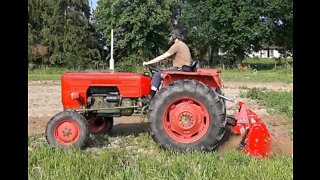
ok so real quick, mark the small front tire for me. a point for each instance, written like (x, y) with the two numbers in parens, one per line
(67, 129)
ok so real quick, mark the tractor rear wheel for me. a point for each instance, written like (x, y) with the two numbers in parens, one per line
(187, 115)
(67, 129)
(100, 125)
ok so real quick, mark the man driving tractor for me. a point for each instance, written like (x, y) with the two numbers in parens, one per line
(182, 57)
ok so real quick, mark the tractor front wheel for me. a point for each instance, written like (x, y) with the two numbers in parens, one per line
(187, 115)
(66, 129)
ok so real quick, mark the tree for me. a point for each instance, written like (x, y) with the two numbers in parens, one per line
(62, 27)
(141, 27)
(280, 15)
(232, 26)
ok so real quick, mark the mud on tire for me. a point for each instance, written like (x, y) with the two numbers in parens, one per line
(187, 115)
(67, 129)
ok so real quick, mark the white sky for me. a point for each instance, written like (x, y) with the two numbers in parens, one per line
(93, 3)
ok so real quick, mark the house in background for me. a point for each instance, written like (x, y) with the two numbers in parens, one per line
(267, 52)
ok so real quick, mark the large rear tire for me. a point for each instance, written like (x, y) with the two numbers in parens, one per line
(67, 129)
(187, 115)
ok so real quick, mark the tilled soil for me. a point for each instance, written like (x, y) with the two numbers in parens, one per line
(44, 101)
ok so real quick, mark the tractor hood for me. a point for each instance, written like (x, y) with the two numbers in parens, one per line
(130, 85)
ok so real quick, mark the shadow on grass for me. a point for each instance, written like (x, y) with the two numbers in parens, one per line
(125, 129)
(260, 67)
(118, 130)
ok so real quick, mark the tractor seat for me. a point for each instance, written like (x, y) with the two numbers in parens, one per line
(192, 68)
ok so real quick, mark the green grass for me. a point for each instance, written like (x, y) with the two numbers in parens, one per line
(54, 74)
(278, 75)
(275, 75)
(275, 101)
(145, 160)
(267, 63)
(261, 70)
(265, 72)
(44, 77)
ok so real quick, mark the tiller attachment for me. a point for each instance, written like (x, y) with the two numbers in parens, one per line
(256, 138)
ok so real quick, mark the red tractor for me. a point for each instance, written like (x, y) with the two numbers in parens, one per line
(188, 112)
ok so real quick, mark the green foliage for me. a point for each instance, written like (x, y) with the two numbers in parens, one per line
(138, 157)
(281, 20)
(132, 63)
(59, 33)
(140, 27)
(236, 27)
(280, 102)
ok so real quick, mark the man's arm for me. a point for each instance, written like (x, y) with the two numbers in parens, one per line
(158, 59)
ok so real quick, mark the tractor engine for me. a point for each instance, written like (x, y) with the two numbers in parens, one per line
(106, 99)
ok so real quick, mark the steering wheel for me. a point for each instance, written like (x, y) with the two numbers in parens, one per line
(152, 69)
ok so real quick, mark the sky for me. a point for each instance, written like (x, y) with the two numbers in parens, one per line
(93, 3)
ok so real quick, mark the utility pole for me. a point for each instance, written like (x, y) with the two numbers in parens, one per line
(111, 60)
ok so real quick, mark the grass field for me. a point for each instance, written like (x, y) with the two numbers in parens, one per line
(275, 101)
(276, 75)
(53, 74)
(227, 75)
(138, 157)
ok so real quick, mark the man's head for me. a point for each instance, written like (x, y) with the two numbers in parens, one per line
(175, 34)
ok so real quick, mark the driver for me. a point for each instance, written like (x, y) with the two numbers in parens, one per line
(181, 53)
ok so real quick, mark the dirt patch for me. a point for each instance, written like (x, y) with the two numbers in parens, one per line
(229, 141)
(281, 147)
(266, 85)
(37, 125)
(124, 126)
(44, 101)
(282, 134)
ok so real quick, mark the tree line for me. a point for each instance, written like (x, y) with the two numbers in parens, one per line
(66, 33)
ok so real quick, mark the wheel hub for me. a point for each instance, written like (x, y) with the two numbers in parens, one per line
(186, 120)
(67, 132)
